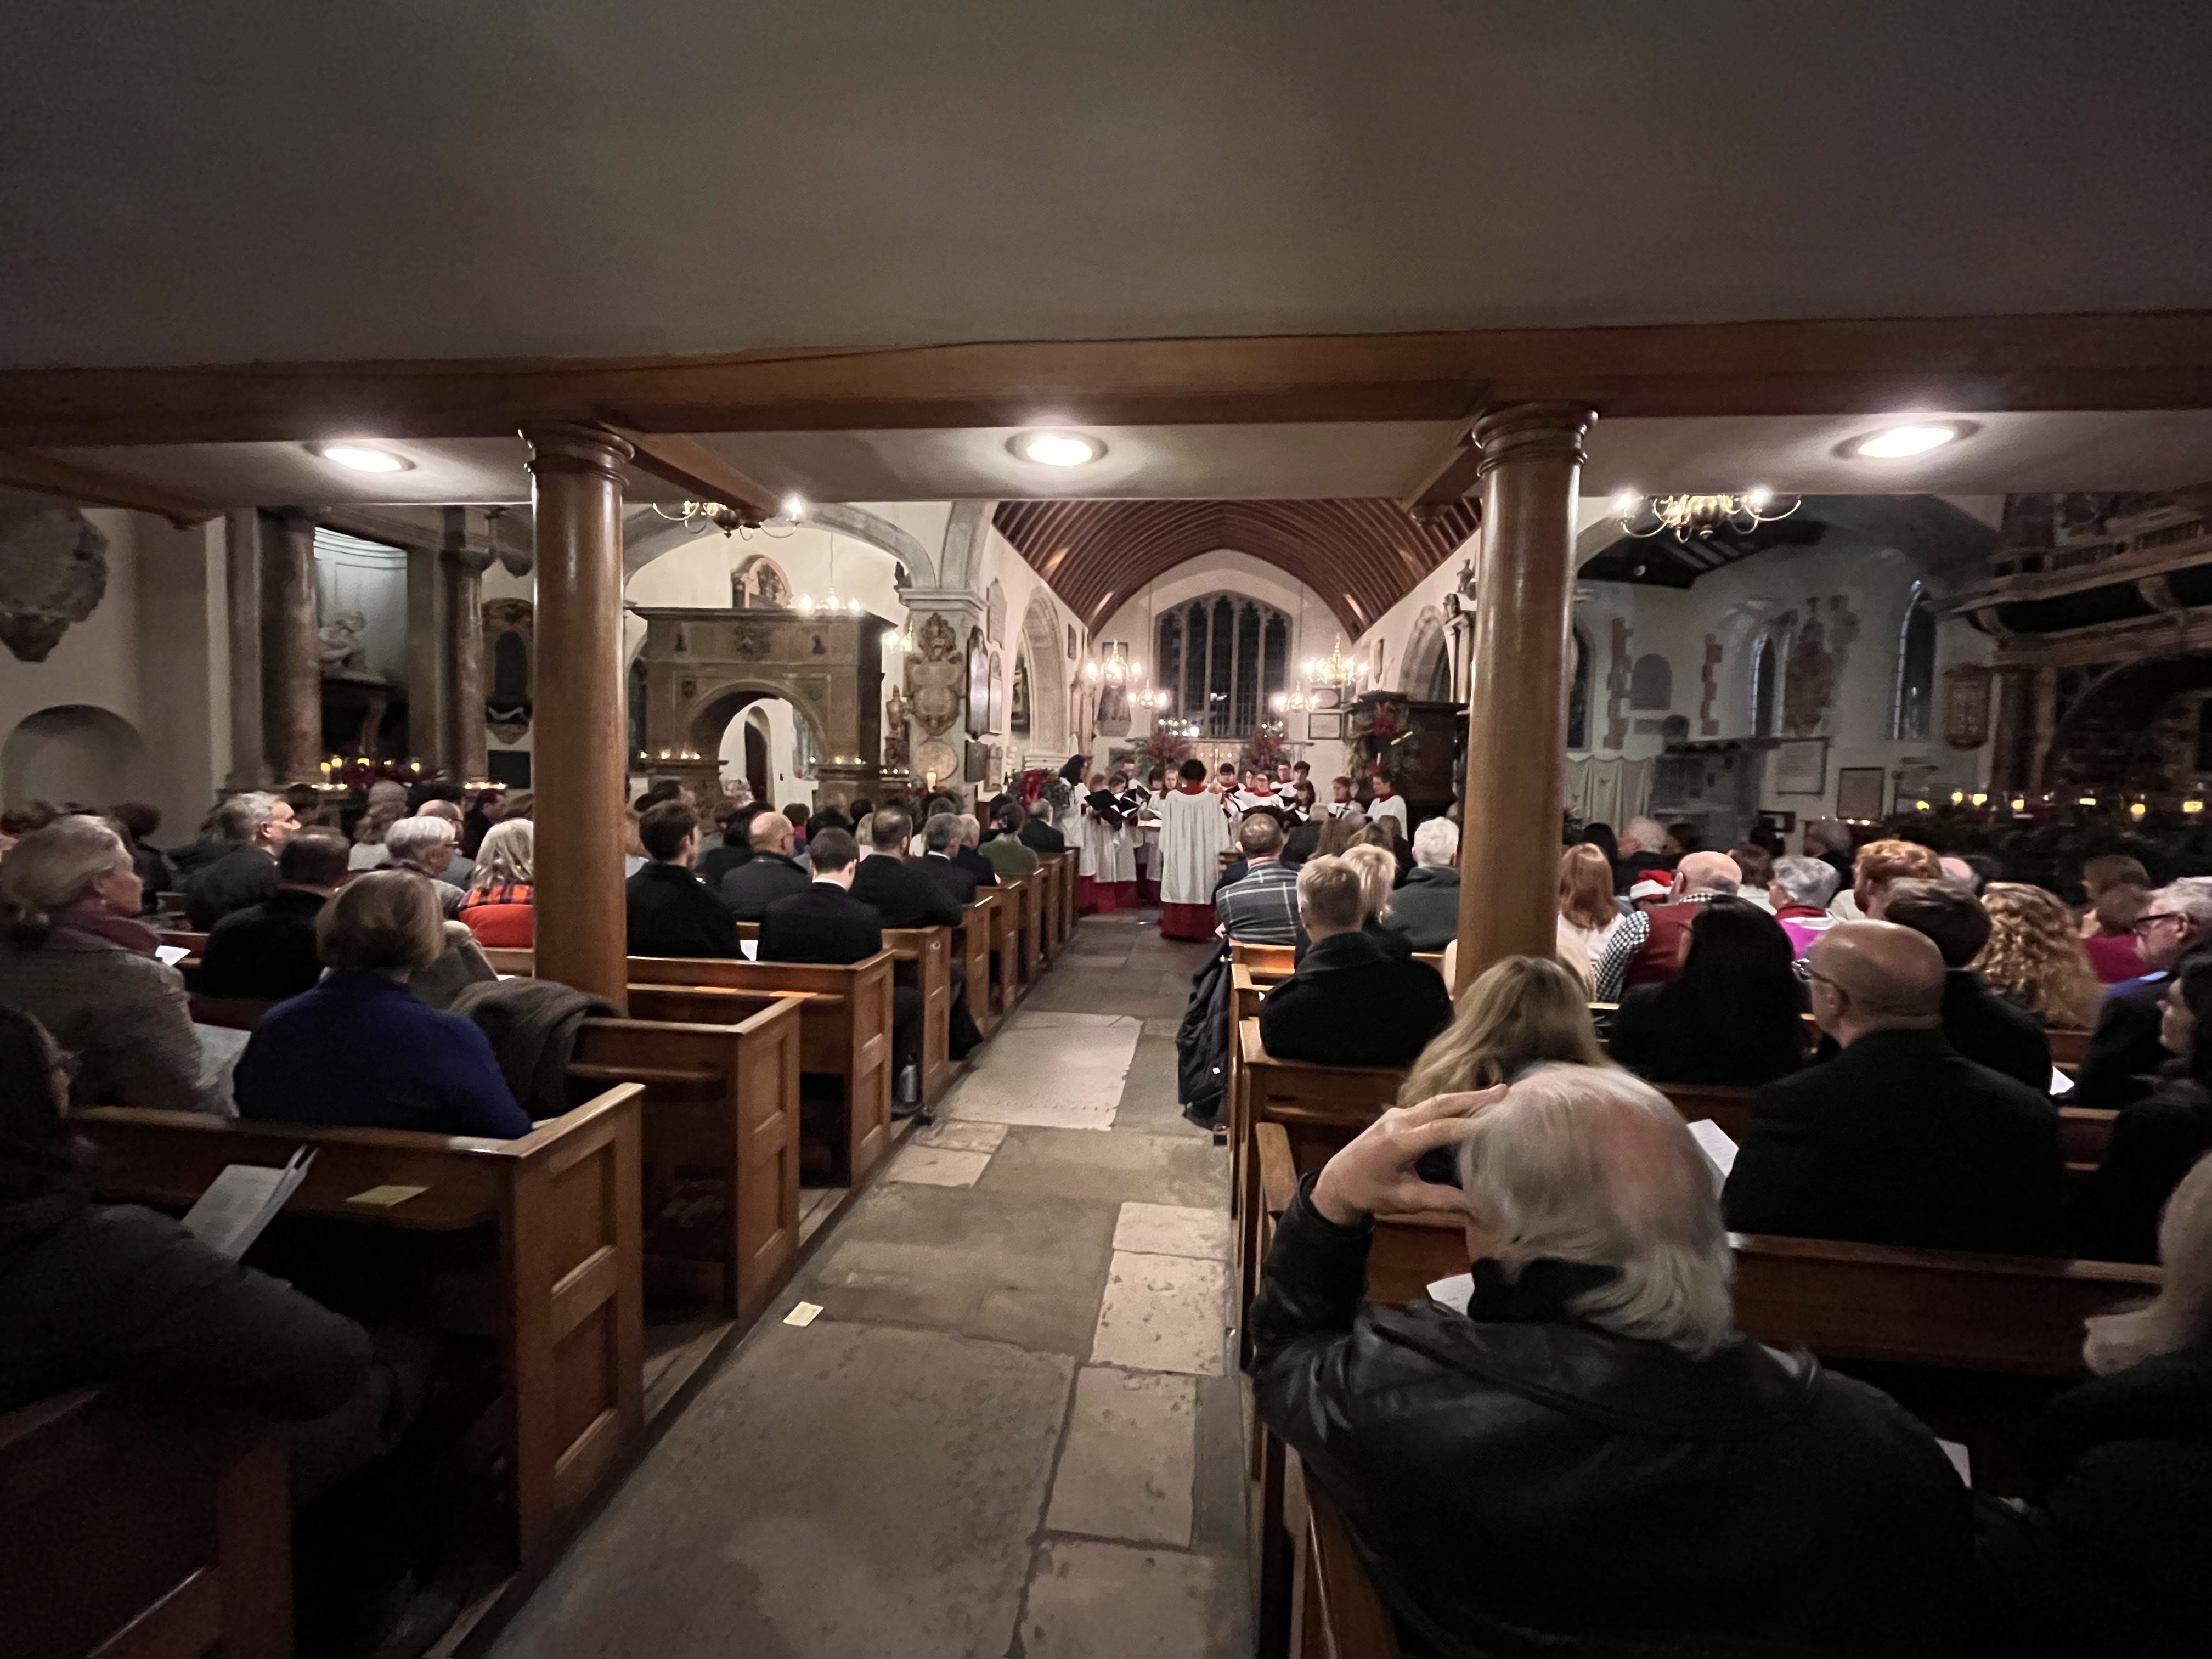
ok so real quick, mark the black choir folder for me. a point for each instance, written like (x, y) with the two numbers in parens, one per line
(242, 1201)
(1106, 805)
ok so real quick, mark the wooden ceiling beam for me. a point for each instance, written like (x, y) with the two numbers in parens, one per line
(697, 471)
(2131, 361)
(1449, 475)
(51, 475)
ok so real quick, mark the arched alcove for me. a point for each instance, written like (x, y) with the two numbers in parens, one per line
(1652, 684)
(1047, 666)
(72, 754)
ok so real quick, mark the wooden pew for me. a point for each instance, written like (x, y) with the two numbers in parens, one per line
(2068, 1047)
(1336, 1612)
(971, 945)
(1007, 944)
(1029, 953)
(135, 1529)
(1071, 864)
(562, 1302)
(1049, 872)
(923, 958)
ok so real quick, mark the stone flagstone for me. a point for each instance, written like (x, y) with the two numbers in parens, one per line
(1163, 1313)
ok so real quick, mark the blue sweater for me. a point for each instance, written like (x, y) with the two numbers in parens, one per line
(360, 1052)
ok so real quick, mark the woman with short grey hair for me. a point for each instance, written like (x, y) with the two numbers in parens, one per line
(426, 845)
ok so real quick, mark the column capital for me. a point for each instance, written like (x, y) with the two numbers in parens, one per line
(1521, 432)
(567, 447)
(469, 560)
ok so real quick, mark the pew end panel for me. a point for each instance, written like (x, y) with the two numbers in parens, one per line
(923, 956)
(134, 1527)
(972, 944)
(1336, 1612)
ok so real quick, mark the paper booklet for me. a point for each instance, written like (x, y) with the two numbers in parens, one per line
(170, 955)
(1720, 1152)
(242, 1201)
(2060, 1084)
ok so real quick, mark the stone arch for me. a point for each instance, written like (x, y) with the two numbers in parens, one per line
(1652, 684)
(966, 533)
(1048, 667)
(72, 753)
(857, 524)
(1425, 648)
(723, 700)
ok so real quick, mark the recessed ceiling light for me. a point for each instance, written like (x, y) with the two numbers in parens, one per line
(1057, 448)
(363, 458)
(1894, 443)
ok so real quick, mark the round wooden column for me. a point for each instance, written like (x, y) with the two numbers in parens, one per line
(1532, 461)
(577, 770)
(291, 658)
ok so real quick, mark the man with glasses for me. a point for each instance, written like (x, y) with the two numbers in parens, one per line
(2124, 1050)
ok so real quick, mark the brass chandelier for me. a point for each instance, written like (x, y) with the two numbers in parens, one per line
(1698, 516)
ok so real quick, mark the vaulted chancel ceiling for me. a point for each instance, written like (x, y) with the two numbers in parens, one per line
(1361, 556)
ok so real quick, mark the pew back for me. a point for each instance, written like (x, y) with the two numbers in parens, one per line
(971, 944)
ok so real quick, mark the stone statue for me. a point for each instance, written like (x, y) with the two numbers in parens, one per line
(344, 654)
(53, 572)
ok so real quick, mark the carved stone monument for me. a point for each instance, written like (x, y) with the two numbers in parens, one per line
(53, 572)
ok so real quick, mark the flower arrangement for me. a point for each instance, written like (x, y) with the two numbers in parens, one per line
(1165, 749)
(1379, 741)
(1263, 752)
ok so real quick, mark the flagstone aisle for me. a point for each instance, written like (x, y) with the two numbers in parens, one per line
(1014, 1428)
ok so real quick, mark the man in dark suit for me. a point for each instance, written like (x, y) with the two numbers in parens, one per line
(1977, 1022)
(2124, 1050)
(1037, 833)
(1899, 1140)
(826, 923)
(770, 874)
(672, 914)
(901, 895)
(737, 844)
(940, 839)
(266, 952)
(1349, 1003)
(969, 856)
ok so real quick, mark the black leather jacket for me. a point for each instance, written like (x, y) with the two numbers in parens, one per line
(1520, 1481)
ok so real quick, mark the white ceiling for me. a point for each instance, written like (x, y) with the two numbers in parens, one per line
(2095, 450)
(263, 180)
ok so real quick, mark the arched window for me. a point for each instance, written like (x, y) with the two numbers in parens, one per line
(1651, 683)
(1578, 692)
(1764, 667)
(1220, 659)
(1916, 669)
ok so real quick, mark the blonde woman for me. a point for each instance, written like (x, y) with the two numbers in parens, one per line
(75, 957)
(369, 851)
(1522, 1011)
(1589, 918)
(2108, 1555)
(500, 907)
(2034, 957)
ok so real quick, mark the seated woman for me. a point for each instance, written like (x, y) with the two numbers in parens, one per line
(1589, 918)
(359, 1049)
(1734, 1015)
(425, 845)
(369, 851)
(498, 907)
(2154, 1142)
(1519, 1013)
(2118, 892)
(1378, 874)
(1547, 1470)
(2035, 957)
(2108, 1555)
(74, 955)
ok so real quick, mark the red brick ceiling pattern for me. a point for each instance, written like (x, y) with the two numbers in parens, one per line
(1361, 556)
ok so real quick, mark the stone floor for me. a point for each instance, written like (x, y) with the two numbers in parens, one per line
(1014, 1429)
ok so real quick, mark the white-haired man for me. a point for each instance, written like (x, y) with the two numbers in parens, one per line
(2124, 1050)
(1643, 852)
(252, 828)
(1550, 1468)
(1426, 909)
(1646, 949)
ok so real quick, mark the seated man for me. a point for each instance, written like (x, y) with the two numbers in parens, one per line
(1262, 907)
(969, 856)
(1037, 833)
(1426, 909)
(1009, 852)
(1977, 1022)
(1552, 1469)
(901, 895)
(770, 874)
(940, 840)
(248, 829)
(672, 914)
(1647, 948)
(1899, 1140)
(266, 952)
(2124, 1051)
(736, 845)
(826, 923)
(1351, 1002)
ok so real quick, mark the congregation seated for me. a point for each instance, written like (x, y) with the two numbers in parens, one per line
(1755, 865)
(1426, 908)
(1879, 863)
(1349, 1003)
(368, 851)
(1262, 907)
(426, 845)
(1589, 918)
(1733, 1017)
(1899, 1140)
(137, 823)
(1378, 870)
(670, 911)
(1590, 1458)
(771, 873)
(1037, 831)
(969, 854)
(499, 908)
(1008, 854)
(235, 865)
(1988, 1029)
(2124, 1050)
(2107, 1554)
(825, 922)
(895, 886)
(1647, 948)
(1800, 893)
(2119, 889)
(268, 951)
(74, 955)
(359, 1049)
(940, 841)
(458, 870)
(1829, 840)
(2157, 1141)
(1520, 1011)
(733, 847)
(1642, 853)
(2034, 959)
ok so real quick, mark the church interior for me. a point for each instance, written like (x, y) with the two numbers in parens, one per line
(845, 422)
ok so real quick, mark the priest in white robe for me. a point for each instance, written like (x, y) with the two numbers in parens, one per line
(1193, 836)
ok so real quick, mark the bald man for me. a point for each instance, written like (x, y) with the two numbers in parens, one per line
(1646, 949)
(1899, 1140)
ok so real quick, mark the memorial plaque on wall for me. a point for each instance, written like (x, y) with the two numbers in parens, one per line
(1967, 706)
(978, 683)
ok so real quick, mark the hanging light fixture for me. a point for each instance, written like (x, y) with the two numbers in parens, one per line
(807, 605)
(1698, 516)
(1335, 670)
(698, 517)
